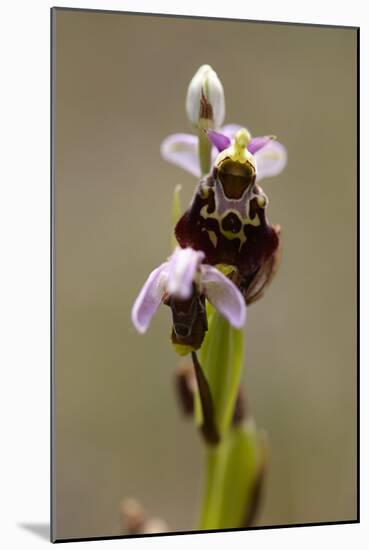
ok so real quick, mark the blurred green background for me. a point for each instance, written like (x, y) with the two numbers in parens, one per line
(120, 88)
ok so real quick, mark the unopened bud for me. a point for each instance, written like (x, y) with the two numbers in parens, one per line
(135, 521)
(205, 103)
(133, 516)
(156, 525)
(240, 412)
(185, 384)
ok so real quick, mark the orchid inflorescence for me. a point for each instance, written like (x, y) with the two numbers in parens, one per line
(226, 254)
(225, 224)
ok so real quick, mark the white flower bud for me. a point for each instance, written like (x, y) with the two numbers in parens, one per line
(205, 103)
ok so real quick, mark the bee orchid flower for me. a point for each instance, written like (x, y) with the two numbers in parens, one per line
(182, 150)
(183, 282)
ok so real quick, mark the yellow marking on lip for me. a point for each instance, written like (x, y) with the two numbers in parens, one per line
(226, 269)
(205, 214)
(261, 201)
(213, 238)
(255, 222)
(183, 349)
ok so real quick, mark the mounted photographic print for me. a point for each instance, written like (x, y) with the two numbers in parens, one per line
(204, 262)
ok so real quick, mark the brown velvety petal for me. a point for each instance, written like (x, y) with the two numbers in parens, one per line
(253, 286)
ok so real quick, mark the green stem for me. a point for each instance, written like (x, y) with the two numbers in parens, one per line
(237, 354)
(209, 517)
(222, 359)
(204, 152)
(215, 364)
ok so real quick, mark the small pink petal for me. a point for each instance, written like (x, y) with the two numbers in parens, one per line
(270, 160)
(182, 266)
(182, 150)
(258, 143)
(149, 298)
(220, 141)
(224, 295)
